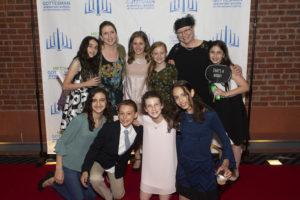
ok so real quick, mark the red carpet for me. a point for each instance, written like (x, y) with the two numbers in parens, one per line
(257, 182)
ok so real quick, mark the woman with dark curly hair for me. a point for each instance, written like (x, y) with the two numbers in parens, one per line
(74, 144)
(82, 75)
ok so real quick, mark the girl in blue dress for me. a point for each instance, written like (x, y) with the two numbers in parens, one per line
(196, 170)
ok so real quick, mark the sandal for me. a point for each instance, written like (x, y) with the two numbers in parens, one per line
(134, 169)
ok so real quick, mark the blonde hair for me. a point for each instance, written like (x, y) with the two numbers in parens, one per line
(152, 62)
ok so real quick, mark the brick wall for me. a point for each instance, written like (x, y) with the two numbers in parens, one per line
(276, 85)
(277, 56)
(17, 73)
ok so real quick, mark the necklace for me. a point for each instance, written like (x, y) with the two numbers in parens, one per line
(140, 60)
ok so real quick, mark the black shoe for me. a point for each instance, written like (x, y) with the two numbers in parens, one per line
(139, 168)
(49, 174)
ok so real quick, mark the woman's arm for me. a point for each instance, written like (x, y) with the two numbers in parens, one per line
(73, 70)
(59, 172)
(242, 84)
(227, 158)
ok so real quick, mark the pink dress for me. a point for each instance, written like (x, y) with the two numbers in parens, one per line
(159, 158)
(134, 85)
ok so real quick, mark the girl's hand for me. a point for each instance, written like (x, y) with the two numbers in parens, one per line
(224, 169)
(219, 92)
(136, 122)
(93, 82)
(236, 70)
(84, 178)
(171, 62)
(59, 176)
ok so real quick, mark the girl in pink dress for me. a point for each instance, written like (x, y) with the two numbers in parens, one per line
(134, 85)
(159, 149)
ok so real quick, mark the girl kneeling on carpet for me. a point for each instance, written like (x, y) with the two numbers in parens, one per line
(73, 145)
(159, 149)
(196, 174)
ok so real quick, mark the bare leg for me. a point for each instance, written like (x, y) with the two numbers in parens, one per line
(237, 151)
(48, 182)
(144, 195)
(183, 198)
(138, 161)
(165, 197)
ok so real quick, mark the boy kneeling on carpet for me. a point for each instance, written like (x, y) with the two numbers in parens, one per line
(110, 152)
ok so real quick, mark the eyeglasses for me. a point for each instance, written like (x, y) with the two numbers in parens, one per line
(184, 32)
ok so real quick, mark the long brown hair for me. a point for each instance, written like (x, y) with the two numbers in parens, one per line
(225, 60)
(103, 24)
(89, 110)
(89, 66)
(152, 62)
(131, 52)
(196, 103)
(166, 112)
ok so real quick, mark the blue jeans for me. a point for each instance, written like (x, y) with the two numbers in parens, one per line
(72, 188)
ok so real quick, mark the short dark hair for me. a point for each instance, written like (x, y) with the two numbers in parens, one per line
(128, 102)
(188, 20)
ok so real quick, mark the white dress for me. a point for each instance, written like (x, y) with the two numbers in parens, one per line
(159, 158)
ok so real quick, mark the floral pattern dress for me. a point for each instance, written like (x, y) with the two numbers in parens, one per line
(111, 80)
(162, 81)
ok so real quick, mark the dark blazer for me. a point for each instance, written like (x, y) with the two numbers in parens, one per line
(106, 146)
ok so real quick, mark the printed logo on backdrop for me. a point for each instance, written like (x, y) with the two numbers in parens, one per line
(227, 3)
(140, 4)
(228, 36)
(52, 73)
(59, 41)
(183, 6)
(56, 5)
(97, 7)
(54, 109)
(150, 38)
(55, 136)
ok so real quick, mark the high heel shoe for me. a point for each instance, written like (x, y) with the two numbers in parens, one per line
(49, 174)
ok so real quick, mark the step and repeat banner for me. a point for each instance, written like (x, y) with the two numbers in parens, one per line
(64, 23)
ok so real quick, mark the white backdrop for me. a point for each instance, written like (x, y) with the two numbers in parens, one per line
(64, 23)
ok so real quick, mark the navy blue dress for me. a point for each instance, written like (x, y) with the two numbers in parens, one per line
(196, 169)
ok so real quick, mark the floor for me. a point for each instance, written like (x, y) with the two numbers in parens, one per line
(252, 158)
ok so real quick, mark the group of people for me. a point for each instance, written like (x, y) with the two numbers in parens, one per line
(152, 102)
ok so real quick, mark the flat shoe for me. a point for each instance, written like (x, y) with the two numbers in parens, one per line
(49, 174)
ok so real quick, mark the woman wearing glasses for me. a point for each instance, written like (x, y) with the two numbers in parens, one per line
(190, 56)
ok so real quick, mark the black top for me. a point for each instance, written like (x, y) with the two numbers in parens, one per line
(191, 65)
